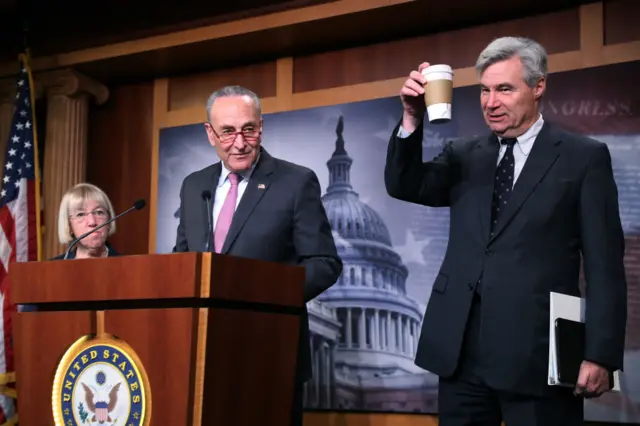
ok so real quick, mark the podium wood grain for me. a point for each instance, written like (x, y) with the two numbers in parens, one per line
(217, 335)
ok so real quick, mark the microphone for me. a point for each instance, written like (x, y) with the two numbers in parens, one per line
(138, 205)
(206, 197)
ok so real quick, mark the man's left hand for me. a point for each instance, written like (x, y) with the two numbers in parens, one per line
(593, 380)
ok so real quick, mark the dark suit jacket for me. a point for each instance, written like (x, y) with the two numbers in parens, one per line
(72, 255)
(283, 222)
(564, 205)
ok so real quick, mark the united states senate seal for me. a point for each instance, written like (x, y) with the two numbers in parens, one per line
(101, 381)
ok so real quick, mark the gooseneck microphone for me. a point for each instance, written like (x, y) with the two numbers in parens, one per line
(206, 197)
(138, 205)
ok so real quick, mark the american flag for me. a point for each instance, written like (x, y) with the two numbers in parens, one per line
(19, 219)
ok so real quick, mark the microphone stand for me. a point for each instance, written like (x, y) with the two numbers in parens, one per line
(137, 206)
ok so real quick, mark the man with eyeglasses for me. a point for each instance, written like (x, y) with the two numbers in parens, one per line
(261, 207)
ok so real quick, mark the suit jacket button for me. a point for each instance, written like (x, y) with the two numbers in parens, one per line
(470, 286)
(488, 252)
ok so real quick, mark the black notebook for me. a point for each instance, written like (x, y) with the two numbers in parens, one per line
(570, 342)
(569, 349)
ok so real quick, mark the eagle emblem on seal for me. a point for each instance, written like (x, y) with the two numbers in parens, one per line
(100, 381)
(101, 408)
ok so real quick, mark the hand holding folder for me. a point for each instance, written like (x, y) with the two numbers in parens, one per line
(593, 380)
(567, 366)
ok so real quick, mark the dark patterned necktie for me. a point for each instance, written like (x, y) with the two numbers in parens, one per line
(503, 185)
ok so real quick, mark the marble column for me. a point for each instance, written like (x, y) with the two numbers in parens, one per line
(371, 331)
(68, 95)
(310, 386)
(362, 337)
(349, 329)
(376, 330)
(7, 98)
(316, 374)
(407, 335)
(389, 346)
(326, 374)
(383, 330)
(399, 343)
(332, 374)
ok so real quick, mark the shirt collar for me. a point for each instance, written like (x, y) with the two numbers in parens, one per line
(525, 140)
(110, 251)
(245, 174)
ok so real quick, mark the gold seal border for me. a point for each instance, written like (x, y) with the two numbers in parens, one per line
(86, 342)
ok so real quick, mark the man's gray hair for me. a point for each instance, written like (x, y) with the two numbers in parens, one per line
(228, 91)
(530, 52)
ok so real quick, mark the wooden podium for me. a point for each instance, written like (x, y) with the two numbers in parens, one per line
(216, 335)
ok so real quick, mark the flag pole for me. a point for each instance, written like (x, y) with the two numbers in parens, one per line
(26, 60)
(25, 57)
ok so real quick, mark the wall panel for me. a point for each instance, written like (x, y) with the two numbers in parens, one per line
(119, 160)
(457, 48)
(192, 91)
(621, 21)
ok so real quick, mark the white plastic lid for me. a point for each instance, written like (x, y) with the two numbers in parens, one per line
(437, 68)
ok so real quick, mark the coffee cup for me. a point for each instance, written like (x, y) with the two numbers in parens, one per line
(438, 92)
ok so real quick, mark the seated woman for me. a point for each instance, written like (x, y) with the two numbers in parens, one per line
(83, 208)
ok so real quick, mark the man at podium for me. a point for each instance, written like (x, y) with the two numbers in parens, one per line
(253, 205)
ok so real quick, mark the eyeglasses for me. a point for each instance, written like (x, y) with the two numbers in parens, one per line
(228, 135)
(98, 214)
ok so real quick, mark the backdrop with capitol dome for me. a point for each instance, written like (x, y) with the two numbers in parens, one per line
(365, 328)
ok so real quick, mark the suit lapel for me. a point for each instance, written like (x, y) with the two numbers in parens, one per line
(484, 167)
(542, 156)
(210, 183)
(256, 188)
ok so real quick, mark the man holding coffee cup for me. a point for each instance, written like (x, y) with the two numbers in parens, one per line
(527, 202)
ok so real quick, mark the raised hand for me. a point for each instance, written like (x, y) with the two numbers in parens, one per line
(412, 96)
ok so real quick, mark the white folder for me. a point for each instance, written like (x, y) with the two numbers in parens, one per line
(571, 308)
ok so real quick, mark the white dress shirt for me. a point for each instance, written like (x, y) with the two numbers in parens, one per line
(224, 185)
(521, 149)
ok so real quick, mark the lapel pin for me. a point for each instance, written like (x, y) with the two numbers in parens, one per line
(261, 186)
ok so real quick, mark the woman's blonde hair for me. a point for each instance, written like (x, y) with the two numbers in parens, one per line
(73, 200)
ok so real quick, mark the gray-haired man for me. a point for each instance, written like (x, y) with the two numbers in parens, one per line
(258, 207)
(527, 202)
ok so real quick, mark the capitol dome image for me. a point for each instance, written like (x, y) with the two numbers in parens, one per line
(365, 328)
